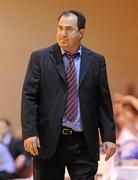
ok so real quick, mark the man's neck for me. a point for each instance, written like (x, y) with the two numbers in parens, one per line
(71, 51)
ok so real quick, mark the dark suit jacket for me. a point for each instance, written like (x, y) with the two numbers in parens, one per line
(45, 93)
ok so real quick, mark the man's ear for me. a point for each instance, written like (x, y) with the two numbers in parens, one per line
(81, 33)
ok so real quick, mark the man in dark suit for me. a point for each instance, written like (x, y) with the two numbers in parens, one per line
(65, 100)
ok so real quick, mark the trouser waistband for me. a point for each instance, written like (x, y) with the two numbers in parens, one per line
(68, 131)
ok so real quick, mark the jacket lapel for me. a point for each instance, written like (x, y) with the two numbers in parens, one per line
(84, 64)
(56, 57)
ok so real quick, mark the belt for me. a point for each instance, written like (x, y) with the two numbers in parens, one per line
(68, 131)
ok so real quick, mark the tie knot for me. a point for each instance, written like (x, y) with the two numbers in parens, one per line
(72, 56)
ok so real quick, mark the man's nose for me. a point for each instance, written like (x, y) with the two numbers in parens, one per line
(64, 33)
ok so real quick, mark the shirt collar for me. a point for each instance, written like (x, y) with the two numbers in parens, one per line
(78, 51)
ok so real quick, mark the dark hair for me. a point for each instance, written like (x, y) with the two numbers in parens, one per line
(81, 18)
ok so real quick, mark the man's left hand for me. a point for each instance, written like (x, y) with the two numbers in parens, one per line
(108, 148)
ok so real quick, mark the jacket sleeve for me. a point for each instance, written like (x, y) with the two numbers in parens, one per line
(105, 111)
(30, 98)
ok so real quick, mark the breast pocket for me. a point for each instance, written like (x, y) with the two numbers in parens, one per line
(91, 76)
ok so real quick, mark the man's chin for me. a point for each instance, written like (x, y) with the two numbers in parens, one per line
(64, 46)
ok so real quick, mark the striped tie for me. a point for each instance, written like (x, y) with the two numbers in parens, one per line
(71, 109)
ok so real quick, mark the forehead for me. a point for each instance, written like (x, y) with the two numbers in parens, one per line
(68, 20)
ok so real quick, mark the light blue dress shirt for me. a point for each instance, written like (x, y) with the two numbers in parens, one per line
(76, 125)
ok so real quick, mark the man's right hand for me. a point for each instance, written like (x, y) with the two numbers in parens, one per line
(31, 145)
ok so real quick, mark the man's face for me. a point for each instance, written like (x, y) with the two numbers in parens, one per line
(68, 34)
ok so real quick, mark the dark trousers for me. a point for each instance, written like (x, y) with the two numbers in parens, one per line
(71, 152)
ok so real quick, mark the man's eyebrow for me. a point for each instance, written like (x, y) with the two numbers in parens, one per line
(65, 26)
(68, 27)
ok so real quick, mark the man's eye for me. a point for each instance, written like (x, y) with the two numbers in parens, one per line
(60, 28)
(70, 29)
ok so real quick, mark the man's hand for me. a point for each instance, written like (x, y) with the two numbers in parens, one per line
(31, 145)
(108, 148)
